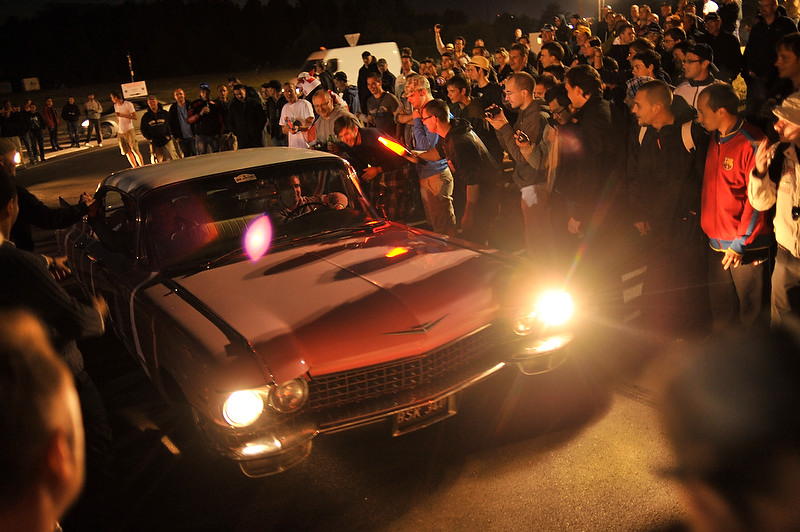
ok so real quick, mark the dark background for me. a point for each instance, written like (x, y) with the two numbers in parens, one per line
(65, 43)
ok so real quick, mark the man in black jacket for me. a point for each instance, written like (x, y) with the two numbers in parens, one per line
(155, 128)
(31, 210)
(246, 119)
(475, 172)
(666, 162)
(71, 114)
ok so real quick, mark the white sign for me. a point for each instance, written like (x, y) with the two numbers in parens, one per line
(30, 84)
(134, 89)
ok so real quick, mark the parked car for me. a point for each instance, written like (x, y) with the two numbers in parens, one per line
(108, 120)
(348, 318)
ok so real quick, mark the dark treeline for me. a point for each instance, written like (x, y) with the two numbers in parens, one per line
(66, 44)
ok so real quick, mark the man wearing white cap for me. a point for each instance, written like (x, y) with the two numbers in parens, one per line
(764, 192)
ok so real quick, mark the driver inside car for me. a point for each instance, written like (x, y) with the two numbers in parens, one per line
(292, 204)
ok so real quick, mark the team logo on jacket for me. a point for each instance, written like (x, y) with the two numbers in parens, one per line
(727, 163)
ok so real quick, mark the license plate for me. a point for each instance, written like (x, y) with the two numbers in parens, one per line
(421, 416)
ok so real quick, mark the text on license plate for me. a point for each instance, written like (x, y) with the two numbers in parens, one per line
(423, 415)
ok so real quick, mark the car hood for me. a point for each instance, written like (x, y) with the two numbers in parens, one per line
(332, 306)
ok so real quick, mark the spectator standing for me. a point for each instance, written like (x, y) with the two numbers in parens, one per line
(502, 56)
(387, 78)
(472, 110)
(246, 119)
(274, 103)
(739, 235)
(328, 110)
(349, 93)
(155, 128)
(369, 66)
(26, 281)
(227, 140)
(529, 175)
(725, 46)
(564, 151)
(435, 178)
(381, 106)
(669, 63)
(760, 54)
(475, 172)
(182, 131)
(697, 68)
(788, 63)
(93, 111)
(518, 60)
(205, 115)
(52, 122)
(71, 115)
(31, 210)
(666, 161)
(34, 125)
(126, 133)
(763, 193)
(296, 117)
(598, 162)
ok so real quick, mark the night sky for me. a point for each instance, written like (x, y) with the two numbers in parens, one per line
(483, 9)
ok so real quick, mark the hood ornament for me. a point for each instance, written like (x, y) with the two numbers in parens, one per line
(420, 329)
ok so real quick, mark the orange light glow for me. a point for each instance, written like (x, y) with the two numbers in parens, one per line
(399, 149)
(394, 252)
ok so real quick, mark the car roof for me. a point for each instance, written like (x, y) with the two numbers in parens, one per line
(139, 181)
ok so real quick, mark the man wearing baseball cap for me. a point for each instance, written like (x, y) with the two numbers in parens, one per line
(488, 92)
(726, 48)
(698, 66)
(762, 191)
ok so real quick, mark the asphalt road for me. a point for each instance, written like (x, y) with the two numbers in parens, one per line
(577, 449)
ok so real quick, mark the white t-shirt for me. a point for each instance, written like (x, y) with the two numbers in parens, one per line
(299, 110)
(126, 107)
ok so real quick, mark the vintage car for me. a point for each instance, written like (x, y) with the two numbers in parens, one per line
(347, 319)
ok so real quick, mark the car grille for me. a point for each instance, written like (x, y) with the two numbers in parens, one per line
(385, 379)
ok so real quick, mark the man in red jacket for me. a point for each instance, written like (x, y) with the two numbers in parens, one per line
(740, 235)
(52, 122)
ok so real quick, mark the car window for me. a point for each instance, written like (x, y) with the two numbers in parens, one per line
(206, 217)
(116, 224)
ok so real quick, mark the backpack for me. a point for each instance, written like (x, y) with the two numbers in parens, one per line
(686, 135)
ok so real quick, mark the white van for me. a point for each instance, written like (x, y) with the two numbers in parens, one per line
(349, 59)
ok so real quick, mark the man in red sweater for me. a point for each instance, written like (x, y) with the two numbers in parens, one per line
(740, 235)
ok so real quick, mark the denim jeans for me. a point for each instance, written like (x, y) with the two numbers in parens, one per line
(72, 129)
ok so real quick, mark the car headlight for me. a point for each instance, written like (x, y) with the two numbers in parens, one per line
(289, 396)
(85, 123)
(552, 308)
(242, 408)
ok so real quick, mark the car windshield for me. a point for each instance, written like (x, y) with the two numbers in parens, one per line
(206, 218)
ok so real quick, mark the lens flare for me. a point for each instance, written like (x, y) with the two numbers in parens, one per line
(257, 238)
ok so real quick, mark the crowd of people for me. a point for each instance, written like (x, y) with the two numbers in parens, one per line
(652, 131)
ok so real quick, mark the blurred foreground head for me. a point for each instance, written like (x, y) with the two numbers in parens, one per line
(41, 433)
(732, 415)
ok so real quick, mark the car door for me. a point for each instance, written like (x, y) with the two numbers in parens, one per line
(110, 258)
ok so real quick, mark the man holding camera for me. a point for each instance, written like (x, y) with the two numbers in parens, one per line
(530, 173)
